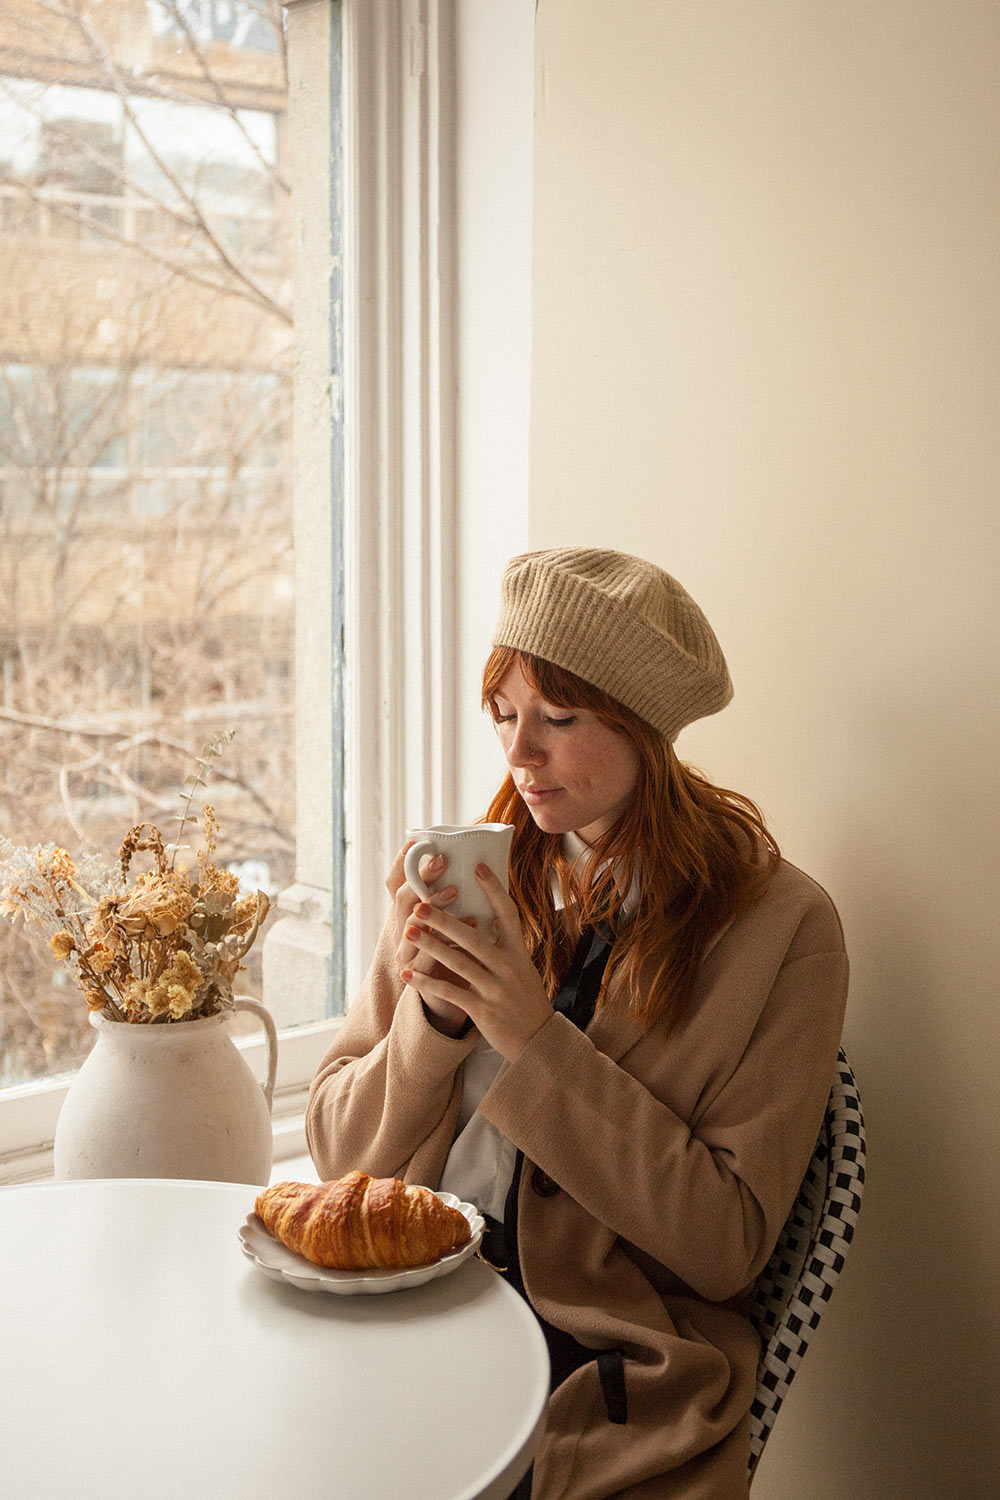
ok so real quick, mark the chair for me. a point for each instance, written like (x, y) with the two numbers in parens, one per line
(798, 1280)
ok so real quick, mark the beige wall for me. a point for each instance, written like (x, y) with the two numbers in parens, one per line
(493, 153)
(766, 309)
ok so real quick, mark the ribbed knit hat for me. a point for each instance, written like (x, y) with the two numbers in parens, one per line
(620, 623)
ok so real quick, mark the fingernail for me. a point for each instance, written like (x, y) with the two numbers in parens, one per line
(406, 974)
(483, 871)
(449, 893)
(412, 933)
(437, 861)
(423, 910)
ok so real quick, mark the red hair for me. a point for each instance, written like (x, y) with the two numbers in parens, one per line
(704, 854)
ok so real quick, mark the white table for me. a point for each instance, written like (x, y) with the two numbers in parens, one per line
(141, 1355)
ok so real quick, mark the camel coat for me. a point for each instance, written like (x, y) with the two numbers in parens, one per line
(667, 1164)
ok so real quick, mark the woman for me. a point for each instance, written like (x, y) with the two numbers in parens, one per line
(630, 1080)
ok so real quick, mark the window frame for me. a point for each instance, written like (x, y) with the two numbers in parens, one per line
(375, 415)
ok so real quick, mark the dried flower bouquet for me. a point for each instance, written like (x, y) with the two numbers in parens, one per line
(164, 946)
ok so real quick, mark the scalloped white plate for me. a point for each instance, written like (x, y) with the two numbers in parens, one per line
(282, 1264)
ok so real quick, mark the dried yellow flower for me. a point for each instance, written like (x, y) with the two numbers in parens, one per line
(105, 926)
(57, 867)
(184, 970)
(181, 1002)
(139, 1003)
(156, 906)
(100, 958)
(17, 903)
(206, 856)
(173, 993)
(243, 913)
(221, 882)
(62, 944)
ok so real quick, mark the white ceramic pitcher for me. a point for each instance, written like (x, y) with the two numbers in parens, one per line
(169, 1101)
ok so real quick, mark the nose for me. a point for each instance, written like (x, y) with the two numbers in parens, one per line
(521, 752)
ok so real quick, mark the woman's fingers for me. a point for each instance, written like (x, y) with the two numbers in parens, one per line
(431, 868)
(507, 916)
(405, 949)
(435, 949)
(461, 931)
(396, 877)
(439, 987)
(407, 953)
(507, 1000)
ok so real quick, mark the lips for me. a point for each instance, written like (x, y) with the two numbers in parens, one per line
(535, 795)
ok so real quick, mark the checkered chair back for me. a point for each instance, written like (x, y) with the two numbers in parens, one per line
(798, 1280)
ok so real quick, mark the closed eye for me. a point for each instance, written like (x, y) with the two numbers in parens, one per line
(556, 723)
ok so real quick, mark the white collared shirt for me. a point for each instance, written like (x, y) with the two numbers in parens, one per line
(576, 851)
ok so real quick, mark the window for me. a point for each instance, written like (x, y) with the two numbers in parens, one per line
(146, 554)
(374, 445)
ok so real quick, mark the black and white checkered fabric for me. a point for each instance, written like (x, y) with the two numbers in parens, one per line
(798, 1280)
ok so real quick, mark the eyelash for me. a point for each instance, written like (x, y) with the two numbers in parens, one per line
(556, 723)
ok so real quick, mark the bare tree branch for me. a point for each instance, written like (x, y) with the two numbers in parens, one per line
(104, 731)
(242, 284)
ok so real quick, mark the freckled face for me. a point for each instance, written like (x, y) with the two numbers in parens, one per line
(575, 772)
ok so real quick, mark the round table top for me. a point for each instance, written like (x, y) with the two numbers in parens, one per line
(143, 1354)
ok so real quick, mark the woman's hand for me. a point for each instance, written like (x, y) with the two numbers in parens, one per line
(448, 1018)
(499, 987)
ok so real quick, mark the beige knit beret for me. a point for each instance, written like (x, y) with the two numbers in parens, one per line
(620, 623)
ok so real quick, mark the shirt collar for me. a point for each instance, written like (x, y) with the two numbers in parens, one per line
(575, 850)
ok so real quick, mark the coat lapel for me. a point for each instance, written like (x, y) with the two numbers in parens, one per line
(614, 1032)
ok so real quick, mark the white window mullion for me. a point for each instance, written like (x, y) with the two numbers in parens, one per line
(441, 292)
(302, 946)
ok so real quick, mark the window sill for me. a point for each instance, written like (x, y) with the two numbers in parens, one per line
(294, 1169)
(291, 1159)
(299, 1056)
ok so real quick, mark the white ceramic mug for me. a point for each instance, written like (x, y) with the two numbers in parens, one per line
(464, 846)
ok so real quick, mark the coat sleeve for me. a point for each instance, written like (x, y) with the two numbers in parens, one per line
(386, 1095)
(704, 1190)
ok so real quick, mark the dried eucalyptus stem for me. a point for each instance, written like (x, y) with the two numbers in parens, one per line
(211, 752)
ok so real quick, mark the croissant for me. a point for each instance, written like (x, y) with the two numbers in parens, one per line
(359, 1222)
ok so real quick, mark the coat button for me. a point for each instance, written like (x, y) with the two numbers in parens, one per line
(542, 1184)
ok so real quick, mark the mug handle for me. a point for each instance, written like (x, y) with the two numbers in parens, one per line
(411, 866)
(241, 1002)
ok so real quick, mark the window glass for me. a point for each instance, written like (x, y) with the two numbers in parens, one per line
(55, 417)
(60, 135)
(146, 580)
